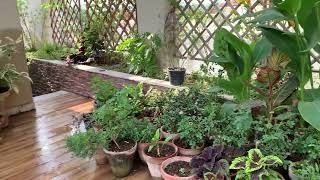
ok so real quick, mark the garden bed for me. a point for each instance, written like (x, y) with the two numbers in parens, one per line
(54, 75)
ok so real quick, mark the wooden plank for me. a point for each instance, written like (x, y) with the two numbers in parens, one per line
(33, 146)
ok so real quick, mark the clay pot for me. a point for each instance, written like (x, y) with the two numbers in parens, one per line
(291, 173)
(154, 163)
(165, 134)
(189, 152)
(121, 163)
(4, 121)
(141, 147)
(167, 176)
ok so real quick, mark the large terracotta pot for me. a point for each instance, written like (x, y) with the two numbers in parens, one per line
(167, 176)
(121, 163)
(154, 163)
(141, 147)
(188, 152)
(4, 121)
(165, 134)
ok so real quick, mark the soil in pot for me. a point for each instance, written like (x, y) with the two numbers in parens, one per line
(154, 160)
(179, 168)
(121, 158)
(186, 150)
(124, 146)
(165, 150)
(176, 76)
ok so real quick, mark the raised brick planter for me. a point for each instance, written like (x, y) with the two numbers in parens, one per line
(53, 75)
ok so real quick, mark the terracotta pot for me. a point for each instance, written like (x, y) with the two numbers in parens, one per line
(167, 176)
(141, 147)
(154, 163)
(166, 134)
(121, 163)
(4, 121)
(189, 152)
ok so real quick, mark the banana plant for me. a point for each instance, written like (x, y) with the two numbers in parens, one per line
(238, 59)
(304, 18)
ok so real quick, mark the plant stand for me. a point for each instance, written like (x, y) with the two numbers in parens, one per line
(4, 121)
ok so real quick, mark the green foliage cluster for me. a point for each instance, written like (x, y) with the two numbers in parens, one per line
(306, 170)
(142, 51)
(51, 52)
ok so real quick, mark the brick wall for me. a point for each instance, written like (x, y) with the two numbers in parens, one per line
(50, 76)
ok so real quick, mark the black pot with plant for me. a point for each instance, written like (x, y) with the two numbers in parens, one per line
(176, 76)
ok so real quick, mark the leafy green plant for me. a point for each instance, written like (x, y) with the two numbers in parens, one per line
(155, 142)
(144, 131)
(256, 166)
(192, 131)
(84, 144)
(104, 90)
(117, 114)
(142, 51)
(306, 170)
(51, 52)
(238, 59)
(92, 37)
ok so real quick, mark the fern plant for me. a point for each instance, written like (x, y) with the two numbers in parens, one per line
(256, 166)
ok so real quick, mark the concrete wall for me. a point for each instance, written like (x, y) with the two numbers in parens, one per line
(10, 27)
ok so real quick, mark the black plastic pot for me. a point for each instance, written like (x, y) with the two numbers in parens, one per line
(176, 76)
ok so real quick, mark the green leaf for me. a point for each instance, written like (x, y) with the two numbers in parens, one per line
(266, 15)
(262, 49)
(271, 160)
(312, 95)
(239, 163)
(255, 155)
(290, 7)
(310, 112)
(312, 27)
(286, 90)
(304, 13)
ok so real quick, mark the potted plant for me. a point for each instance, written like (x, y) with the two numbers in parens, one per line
(304, 170)
(157, 152)
(210, 164)
(192, 135)
(177, 168)
(117, 134)
(256, 166)
(8, 77)
(144, 135)
(176, 71)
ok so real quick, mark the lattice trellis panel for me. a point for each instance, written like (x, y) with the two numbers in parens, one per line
(119, 19)
(66, 21)
(199, 19)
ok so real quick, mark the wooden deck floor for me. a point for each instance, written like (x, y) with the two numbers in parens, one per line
(32, 147)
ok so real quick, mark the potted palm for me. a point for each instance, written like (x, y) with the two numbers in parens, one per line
(8, 77)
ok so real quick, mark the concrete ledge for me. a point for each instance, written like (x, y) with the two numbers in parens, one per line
(54, 75)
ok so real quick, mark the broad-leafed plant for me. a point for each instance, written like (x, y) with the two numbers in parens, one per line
(104, 90)
(256, 166)
(210, 165)
(238, 59)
